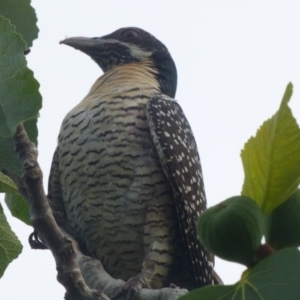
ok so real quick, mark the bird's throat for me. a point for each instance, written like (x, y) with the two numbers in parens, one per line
(140, 75)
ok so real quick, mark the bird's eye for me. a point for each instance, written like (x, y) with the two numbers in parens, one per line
(130, 34)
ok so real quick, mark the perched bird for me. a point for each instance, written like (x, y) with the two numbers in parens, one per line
(126, 178)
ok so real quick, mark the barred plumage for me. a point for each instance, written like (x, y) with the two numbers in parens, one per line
(126, 178)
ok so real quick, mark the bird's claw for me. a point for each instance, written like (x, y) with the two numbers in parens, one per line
(132, 288)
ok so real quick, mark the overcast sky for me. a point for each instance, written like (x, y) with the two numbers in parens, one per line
(234, 60)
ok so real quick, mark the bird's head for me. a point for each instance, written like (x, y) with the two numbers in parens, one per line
(130, 45)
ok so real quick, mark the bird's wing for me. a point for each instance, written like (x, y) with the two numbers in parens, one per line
(55, 196)
(54, 187)
(178, 154)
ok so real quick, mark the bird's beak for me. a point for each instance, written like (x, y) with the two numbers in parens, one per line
(95, 48)
(83, 43)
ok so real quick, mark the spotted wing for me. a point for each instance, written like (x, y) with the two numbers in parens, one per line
(178, 153)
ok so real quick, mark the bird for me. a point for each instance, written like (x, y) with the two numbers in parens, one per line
(126, 179)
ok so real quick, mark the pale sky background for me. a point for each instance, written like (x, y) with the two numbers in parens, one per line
(234, 60)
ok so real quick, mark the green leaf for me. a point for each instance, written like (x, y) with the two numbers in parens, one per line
(10, 246)
(276, 277)
(283, 224)
(271, 159)
(22, 15)
(7, 185)
(18, 207)
(20, 99)
(8, 158)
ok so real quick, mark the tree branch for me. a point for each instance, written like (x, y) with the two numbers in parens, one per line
(63, 247)
(84, 278)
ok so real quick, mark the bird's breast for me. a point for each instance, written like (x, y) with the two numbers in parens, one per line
(112, 180)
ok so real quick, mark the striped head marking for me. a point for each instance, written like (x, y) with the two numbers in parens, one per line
(130, 45)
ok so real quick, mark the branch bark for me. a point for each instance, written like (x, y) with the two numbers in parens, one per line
(84, 278)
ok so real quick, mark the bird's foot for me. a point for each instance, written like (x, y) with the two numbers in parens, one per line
(132, 288)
